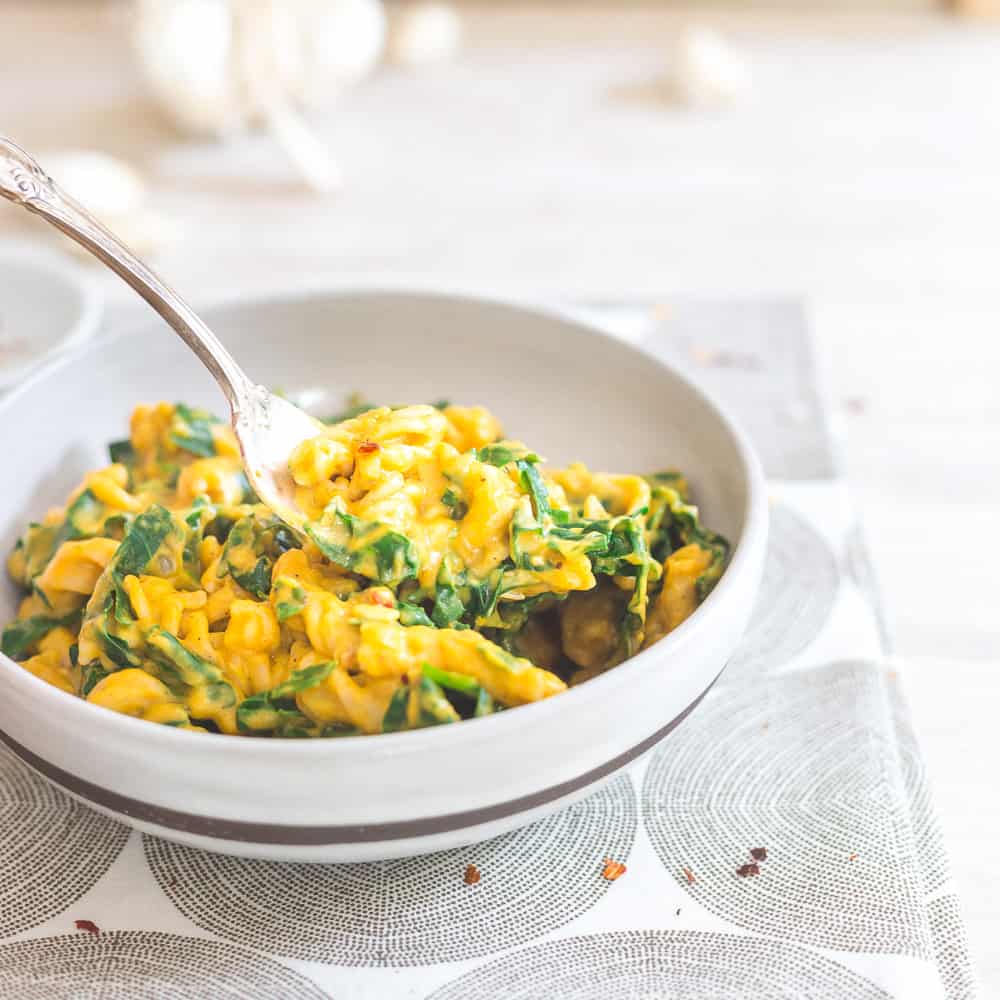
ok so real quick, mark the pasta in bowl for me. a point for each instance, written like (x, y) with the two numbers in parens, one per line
(444, 573)
(569, 390)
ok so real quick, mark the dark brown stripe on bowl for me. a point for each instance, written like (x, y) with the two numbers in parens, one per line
(319, 836)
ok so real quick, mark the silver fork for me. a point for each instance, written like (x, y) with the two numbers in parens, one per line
(267, 427)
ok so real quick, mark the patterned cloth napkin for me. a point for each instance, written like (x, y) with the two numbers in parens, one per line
(780, 843)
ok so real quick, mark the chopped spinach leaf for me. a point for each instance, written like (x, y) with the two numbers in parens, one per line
(303, 679)
(448, 607)
(452, 681)
(413, 614)
(395, 717)
(273, 710)
(252, 547)
(143, 541)
(455, 504)
(21, 636)
(504, 452)
(192, 430)
(368, 548)
(178, 665)
(121, 451)
(485, 705)
(91, 676)
(289, 597)
(531, 480)
(435, 709)
(117, 650)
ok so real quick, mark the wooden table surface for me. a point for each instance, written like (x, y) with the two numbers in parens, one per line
(862, 172)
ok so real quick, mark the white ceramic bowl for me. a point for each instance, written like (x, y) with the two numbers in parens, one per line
(571, 391)
(48, 303)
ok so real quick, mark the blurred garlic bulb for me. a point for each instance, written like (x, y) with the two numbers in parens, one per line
(109, 187)
(423, 33)
(340, 42)
(706, 70)
(114, 192)
(186, 52)
(220, 66)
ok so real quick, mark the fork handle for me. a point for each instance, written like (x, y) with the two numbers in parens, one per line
(23, 182)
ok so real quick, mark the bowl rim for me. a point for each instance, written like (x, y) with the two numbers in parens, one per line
(219, 745)
(54, 263)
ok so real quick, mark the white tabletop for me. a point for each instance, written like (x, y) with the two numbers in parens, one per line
(861, 172)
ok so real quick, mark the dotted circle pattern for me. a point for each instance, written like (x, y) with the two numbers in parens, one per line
(951, 946)
(634, 965)
(143, 965)
(414, 911)
(53, 849)
(797, 594)
(935, 868)
(803, 766)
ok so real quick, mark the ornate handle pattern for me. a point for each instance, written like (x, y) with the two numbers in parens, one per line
(23, 182)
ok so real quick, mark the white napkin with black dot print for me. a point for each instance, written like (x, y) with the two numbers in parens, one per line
(781, 843)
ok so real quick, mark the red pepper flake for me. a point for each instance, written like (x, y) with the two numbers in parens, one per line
(853, 857)
(613, 869)
(751, 869)
(689, 875)
(758, 853)
(87, 925)
(368, 447)
(472, 875)
(378, 595)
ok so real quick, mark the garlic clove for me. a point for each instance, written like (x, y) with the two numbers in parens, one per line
(115, 193)
(186, 50)
(706, 70)
(106, 186)
(341, 43)
(424, 33)
(219, 66)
